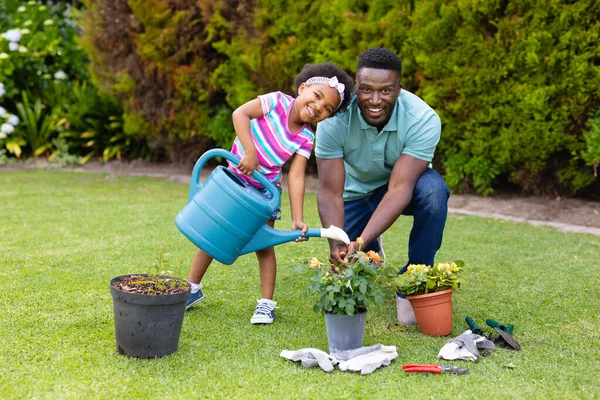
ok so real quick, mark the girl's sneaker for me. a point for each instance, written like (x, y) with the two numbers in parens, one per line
(265, 312)
(194, 298)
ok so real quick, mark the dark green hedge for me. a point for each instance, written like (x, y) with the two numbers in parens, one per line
(515, 82)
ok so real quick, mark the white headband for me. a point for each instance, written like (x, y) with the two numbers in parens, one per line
(332, 82)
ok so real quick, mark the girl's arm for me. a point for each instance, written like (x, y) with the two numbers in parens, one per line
(296, 189)
(241, 123)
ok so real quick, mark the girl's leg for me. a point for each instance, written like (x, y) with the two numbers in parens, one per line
(200, 265)
(198, 268)
(267, 264)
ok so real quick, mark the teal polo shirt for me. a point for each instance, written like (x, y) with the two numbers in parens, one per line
(369, 156)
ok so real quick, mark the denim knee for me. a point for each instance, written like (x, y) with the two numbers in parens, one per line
(432, 192)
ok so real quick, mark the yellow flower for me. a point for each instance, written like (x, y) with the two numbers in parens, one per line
(314, 262)
(360, 241)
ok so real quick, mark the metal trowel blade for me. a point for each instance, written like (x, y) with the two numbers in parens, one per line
(507, 337)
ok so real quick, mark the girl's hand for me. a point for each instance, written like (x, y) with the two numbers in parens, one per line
(248, 164)
(300, 225)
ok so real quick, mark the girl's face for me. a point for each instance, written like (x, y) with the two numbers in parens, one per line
(316, 102)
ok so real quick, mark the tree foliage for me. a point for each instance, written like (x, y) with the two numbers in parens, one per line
(515, 82)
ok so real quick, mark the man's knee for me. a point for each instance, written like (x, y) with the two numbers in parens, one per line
(433, 192)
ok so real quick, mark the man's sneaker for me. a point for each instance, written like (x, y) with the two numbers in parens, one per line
(265, 312)
(405, 313)
(381, 252)
(194, 298)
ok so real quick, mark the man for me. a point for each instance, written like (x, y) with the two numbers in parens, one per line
(374, 165)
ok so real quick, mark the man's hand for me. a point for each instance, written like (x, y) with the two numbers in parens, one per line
(248, 163)
(352, 247)
(337, 253)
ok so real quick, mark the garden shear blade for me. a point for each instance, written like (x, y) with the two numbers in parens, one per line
(434, 368)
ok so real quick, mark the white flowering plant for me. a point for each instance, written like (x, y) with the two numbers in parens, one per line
(37, 49)
(422, 279)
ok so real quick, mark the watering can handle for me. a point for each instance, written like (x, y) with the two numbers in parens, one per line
(195, 184)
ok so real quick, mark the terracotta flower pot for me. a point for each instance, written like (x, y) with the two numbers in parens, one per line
(433, 312)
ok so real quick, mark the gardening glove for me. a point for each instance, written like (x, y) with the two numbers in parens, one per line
(367, 359)
(310, 358)
(465, 347)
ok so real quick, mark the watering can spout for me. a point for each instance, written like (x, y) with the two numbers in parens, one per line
(269, 237)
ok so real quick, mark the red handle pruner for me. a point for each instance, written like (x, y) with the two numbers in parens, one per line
(434, 368)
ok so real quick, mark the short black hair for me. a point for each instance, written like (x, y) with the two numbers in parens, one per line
(327, 70)
(380, 58)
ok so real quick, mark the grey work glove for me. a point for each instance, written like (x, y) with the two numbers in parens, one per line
(366, 359)
(465, 347)
(310, 357)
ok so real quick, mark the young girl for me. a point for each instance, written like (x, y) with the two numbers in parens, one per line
(271, 130)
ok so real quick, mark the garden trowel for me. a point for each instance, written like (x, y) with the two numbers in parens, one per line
(505, 333)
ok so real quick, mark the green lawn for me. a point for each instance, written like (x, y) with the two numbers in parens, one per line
(64, 235)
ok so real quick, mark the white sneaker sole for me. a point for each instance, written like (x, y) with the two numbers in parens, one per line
(261, 319)
(187, 307)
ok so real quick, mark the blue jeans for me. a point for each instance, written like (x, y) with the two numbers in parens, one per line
(429, 208)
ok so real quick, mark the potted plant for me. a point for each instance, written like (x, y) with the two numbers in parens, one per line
(429, 290)
(345, 292)
(148, 311)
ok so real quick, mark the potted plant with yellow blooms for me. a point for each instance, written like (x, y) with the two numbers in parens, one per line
(429, 290)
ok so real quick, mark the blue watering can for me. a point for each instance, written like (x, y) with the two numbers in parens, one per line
(226, 218)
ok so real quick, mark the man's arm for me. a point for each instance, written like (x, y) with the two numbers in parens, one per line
(405, 173)
(330, 201)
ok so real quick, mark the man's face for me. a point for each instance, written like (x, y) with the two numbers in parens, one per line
(377, 91)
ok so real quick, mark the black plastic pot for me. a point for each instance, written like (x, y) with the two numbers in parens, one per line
(147, 325)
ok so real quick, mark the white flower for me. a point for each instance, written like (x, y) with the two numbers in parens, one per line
(60, 75)
(49, 22)
(13, 35)
(7, 128)
(2, 135)
(2, 93)
(22, 9)
(13, 120)
(13, 46)
(25, 31)
(2, 110)
(3, 56)
(23, 49)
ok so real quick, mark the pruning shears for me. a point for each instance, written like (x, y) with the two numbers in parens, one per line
(434, 368)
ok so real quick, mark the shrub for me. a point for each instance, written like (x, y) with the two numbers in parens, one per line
(513, 82)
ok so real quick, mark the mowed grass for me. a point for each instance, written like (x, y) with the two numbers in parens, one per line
(65, 235)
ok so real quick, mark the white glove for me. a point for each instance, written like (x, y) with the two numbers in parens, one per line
(310, 357)
(465, 347)
(375, 357)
